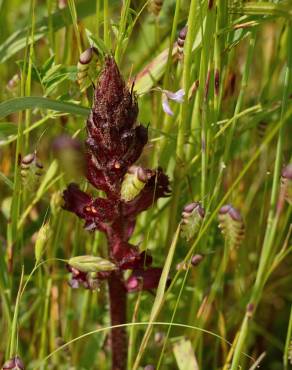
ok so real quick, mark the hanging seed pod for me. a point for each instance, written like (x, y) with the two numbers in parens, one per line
(14, 363)
(31, 170)
(134, 182)
(155, 6)
(87, 68)
(231, 225)
(192, 217)
(286, 183)
(181, 42)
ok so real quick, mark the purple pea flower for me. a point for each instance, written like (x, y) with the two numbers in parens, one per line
(167, 95)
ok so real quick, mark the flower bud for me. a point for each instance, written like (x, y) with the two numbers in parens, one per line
(88, 264)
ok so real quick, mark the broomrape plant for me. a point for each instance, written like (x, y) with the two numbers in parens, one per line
(145, 220)
(115, 142)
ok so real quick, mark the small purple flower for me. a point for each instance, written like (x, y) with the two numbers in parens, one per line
(177, 96)
(167, 95)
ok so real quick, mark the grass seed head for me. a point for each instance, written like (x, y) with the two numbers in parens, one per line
(231, 225)
(192, 217)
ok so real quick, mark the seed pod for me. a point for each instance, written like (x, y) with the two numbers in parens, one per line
(231, 225)
(181, 42)
(91, 264)
(87, 68)
(155, 6)
(134, 182)
(286, 183)
(14, 363)
(31, 170)
(192, 217)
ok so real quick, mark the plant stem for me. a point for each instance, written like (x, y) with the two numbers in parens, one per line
(118, 307)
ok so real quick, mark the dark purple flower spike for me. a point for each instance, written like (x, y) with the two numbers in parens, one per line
(115, 141)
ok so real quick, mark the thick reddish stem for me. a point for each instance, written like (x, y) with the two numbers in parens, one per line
(118, 308)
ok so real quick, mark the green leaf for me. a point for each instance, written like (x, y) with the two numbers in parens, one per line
(20, 104)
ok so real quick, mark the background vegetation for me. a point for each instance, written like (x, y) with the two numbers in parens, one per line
(226, 143)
